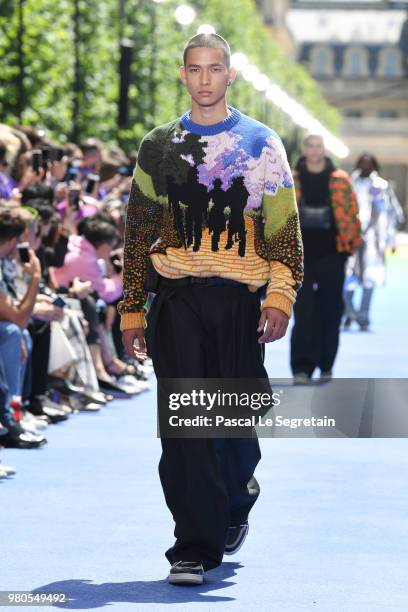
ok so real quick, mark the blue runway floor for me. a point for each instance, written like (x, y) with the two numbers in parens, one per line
(86, 515)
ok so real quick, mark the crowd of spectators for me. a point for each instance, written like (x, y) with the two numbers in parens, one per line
(62, 210)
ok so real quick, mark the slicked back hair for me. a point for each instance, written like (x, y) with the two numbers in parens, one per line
(310, 135)
(211, 41)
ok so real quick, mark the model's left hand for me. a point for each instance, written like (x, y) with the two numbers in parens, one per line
(276, 324)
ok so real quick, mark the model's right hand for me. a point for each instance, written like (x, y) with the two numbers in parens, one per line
(138, 349)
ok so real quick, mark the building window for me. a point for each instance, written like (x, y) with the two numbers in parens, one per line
(321, 62)
(389, 63)
(355, 63)
(353, 113)
(387, 114)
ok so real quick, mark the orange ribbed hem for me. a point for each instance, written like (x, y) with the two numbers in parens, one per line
(277, 300)
(132, 320)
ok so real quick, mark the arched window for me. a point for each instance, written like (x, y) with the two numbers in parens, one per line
(389, 63)
(355, 63)
(321, 62)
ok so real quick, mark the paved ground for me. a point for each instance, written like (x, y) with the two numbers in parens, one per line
(86, 515)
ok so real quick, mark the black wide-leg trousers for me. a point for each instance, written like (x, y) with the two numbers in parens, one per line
(201, 331)
(317, 311)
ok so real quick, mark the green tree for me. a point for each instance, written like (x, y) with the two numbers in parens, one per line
(61, 74)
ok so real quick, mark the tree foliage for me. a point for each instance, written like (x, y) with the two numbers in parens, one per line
(69, 84)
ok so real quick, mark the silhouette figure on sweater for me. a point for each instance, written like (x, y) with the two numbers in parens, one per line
(237, 197)
(216, 219)
(189, 205)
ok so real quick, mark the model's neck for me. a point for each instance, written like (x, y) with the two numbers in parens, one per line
(208, 115)
(315, 167)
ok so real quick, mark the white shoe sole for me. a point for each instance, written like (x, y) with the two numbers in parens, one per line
(8, 470)
(185, 578)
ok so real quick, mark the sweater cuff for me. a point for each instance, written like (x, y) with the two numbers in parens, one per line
(132, 320)
(279, 301)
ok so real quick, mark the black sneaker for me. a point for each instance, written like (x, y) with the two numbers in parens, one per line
(235, 538)
(17, 437)
(186, 572)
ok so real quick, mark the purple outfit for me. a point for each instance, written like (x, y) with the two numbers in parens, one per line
(84, 210)
(7, 184)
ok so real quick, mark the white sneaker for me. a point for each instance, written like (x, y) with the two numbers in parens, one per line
(47, 401)
(78, 405)
(132, 385)
(29, 427)
(90, 407)
(30, 419)
(8, 469)
(326, 376)
(146, 369)
(301, 378)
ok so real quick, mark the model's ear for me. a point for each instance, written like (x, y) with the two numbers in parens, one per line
(232, 72)
(182, 72)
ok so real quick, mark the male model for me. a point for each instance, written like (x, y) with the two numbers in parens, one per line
(213, 207)
(331, 232)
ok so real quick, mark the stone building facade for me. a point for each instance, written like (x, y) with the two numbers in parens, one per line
(354, 50)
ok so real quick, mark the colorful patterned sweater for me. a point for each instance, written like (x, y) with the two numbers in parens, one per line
(212, 200)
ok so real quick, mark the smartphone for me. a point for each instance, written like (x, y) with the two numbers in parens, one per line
(24, 252)
(59, 302)
(125, 170)
(72, 174)
(46, 155)
(116, 263)
(73, 197)
(36, 160)
(92, 180)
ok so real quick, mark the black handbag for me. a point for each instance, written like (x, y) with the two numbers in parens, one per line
(315, 217)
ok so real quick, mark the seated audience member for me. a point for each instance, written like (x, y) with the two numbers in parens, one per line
(94, 243)
(6, 182)
(15, 314)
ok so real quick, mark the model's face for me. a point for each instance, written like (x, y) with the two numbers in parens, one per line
(314, 150)
(206, 75)
(366, 165)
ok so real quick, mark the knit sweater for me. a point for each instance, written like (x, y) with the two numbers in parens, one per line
(212, 200)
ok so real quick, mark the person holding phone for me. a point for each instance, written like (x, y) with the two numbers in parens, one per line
(15, 315)
(73, 208)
